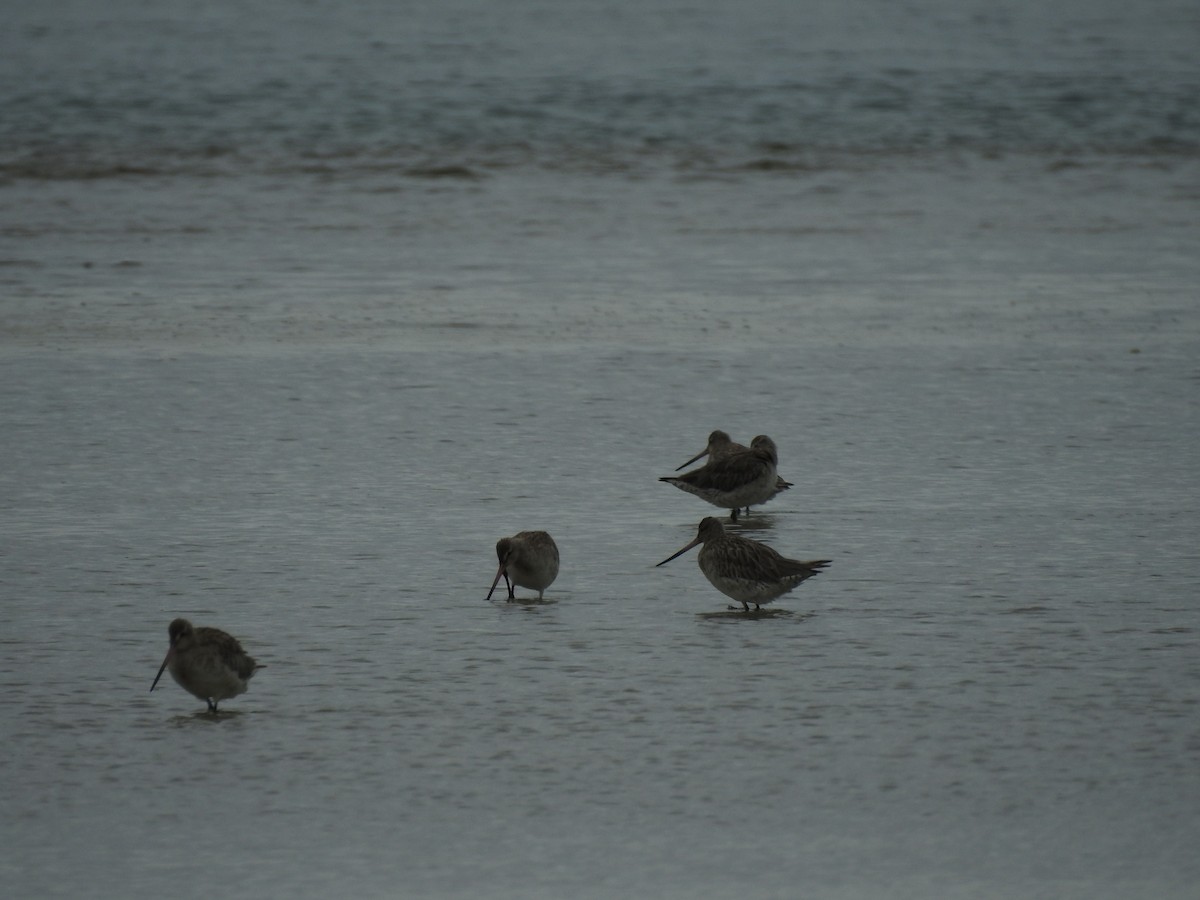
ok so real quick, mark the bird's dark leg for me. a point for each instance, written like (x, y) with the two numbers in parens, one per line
(733, 516)
(212, 707)
(745, 606)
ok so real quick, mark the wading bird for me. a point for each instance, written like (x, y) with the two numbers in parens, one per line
(739, 478)
(528, 559)
(746, 570)
(721, 445)
(207, 663)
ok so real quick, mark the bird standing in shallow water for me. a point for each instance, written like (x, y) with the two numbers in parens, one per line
(746, 570)
(720, 445)
(528, 559)
(739, 478)
(207, 663)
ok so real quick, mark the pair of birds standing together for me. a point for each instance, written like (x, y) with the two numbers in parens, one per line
(211, 665)
(734, 477)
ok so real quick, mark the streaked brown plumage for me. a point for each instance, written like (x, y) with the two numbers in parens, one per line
(527, 559)
(721, 445)
(746, 570)
(207, 663)
(737, 478)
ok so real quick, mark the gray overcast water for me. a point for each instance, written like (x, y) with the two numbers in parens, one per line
(303, 307)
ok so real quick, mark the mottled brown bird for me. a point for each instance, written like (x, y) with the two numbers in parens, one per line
(721, 445)
(746, 570)
(736, 478)
(528, 559)
(207, 663)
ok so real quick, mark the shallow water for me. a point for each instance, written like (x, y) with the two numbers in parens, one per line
(300, 400)
(991, 691)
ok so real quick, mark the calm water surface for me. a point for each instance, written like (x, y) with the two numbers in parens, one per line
(292, 330)
(991, 692)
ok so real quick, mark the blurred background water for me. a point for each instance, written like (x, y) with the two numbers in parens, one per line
(304, 305)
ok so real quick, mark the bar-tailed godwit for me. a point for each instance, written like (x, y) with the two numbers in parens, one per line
(746, 570)
(528, 559)
(207, 663)
(738, 478)
(721, 445)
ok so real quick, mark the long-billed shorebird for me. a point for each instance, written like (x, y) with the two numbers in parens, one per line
(746, 570)
(528, 559)
(721, 445)
(207, 663)
(738, 478)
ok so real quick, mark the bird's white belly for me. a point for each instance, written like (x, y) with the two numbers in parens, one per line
(534, 578)
(745, 590)
(215, 682)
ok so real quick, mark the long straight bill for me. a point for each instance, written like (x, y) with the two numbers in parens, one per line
(699, 455)
(496, 581)
(163, 667)
(678, 553)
